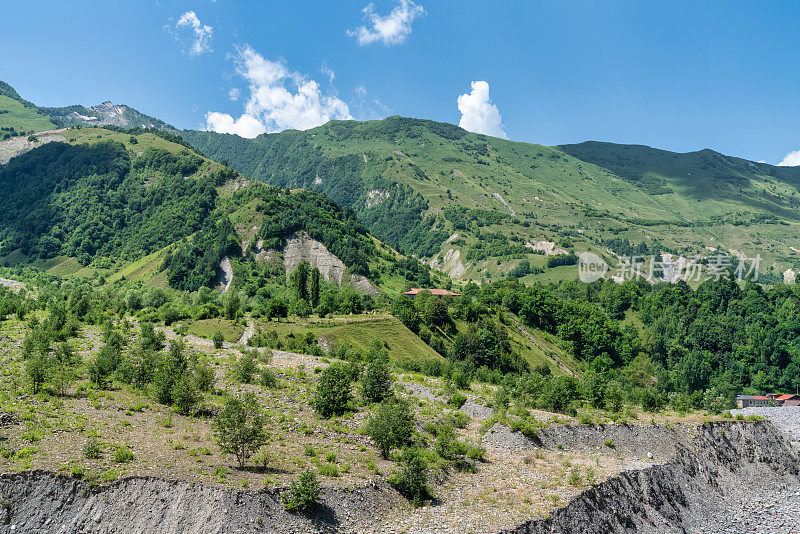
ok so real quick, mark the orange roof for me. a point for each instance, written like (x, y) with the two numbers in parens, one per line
(785, 397)
(437, 292)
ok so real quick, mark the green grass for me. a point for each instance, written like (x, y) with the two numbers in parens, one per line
(21, 118)
(686, 202)
(359, 332)
(208, 327)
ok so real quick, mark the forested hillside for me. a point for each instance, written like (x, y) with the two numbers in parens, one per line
(401, 175)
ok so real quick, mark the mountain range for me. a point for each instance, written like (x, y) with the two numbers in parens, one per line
(478, 207)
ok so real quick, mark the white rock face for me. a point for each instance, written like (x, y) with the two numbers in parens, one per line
(789, 277)
(225, 275)
(548, 247)
(301, 247)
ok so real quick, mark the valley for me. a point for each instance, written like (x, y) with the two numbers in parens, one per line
(198, 321)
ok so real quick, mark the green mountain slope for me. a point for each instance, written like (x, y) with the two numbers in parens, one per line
(18, 116)
(416, 183)
(136, 203)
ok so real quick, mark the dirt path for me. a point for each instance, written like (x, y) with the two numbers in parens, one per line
(247, 334)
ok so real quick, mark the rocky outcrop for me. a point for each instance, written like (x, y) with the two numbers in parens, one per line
(696, 489)
(301, 247)
(43, 502)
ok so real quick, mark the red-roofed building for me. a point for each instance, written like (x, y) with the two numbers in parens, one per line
(435, 292)
(770, 399)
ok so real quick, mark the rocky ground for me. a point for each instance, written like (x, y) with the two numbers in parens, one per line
(776, 513)
(785, 418)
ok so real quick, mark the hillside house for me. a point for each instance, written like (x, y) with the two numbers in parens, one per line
(770, 399)
(435, 292)
(746, 401)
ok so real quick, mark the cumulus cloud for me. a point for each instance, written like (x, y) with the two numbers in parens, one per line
(201, 34)
(792, 159)
(478, 114)
(390, 29)
(279, 99)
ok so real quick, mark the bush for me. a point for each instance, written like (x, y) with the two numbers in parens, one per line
(239, 428)
(204, 375)
(412, 478)
(92, 449)
(333, 390)
(218, 339)
(246, 366)
(302, 493)
(651, 400)
(457, 400)
(461, 379)
(123, 455)
(376, 383)
(268, 379)
(185, 395)
(391, 427)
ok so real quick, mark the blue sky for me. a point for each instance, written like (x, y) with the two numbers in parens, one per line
(675, 75)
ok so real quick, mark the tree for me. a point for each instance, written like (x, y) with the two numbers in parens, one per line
(232, 305)
(300, 281)
(314, 289)
(376, 383)
(218, 339)
(333, 390)
(391, 427)
(239, 427)
(37, 369)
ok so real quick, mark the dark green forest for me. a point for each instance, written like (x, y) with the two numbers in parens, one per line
(97, 201)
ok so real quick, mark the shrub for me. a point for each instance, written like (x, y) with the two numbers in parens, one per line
(123, 455)
(376, 382)
(447, 444)
(239, 427)
(92, 449)
(412, 478)
(461, 379)
(185, 395)
(302, 493)
(218, 339)
(333, 391)
(391, 427)
(204, 375)
(268, 379)
(457, 400)
(246, 366)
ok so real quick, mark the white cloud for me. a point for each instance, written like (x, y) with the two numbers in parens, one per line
(327, 71)
(478, 114)
(792, 159)
(234, 93)
(201, 33)
(391, 29)
(368, 107)
(279, 99)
